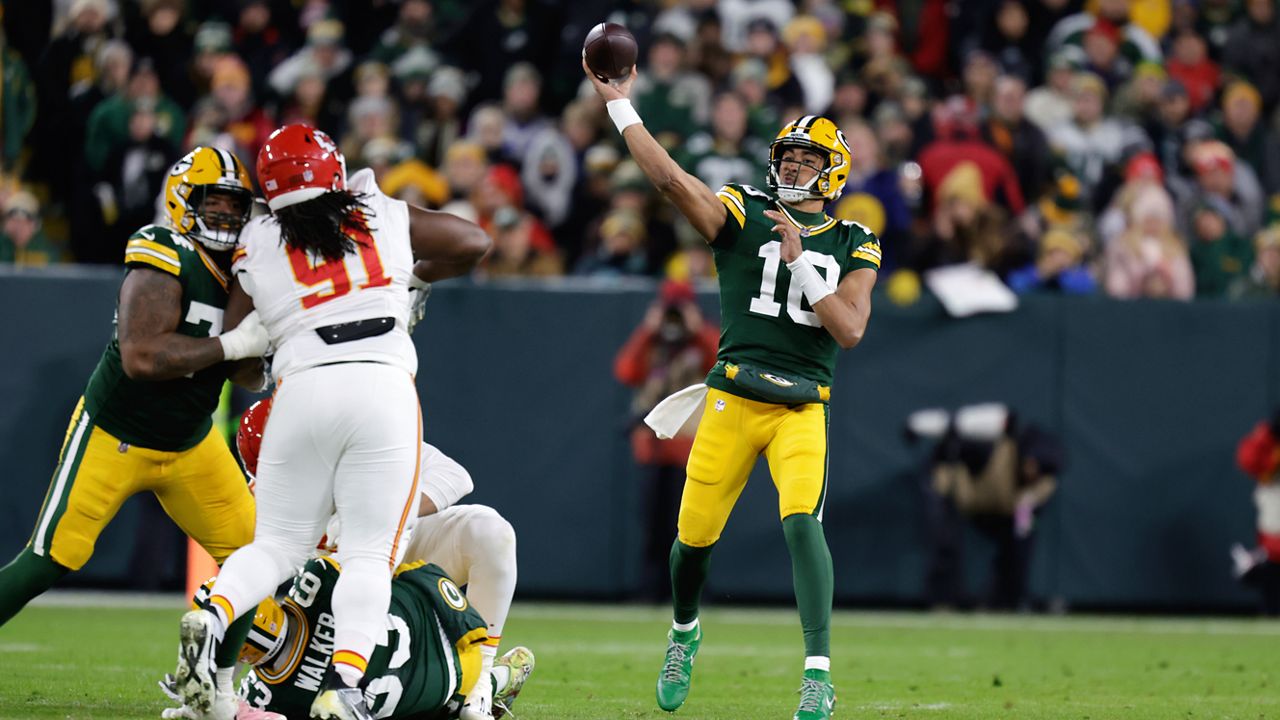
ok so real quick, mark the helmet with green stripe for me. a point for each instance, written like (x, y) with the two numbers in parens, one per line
(818, 135)
(201, 173)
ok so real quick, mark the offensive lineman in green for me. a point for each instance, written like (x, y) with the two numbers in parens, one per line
(795, 288)
(144, 422)
(427, 665)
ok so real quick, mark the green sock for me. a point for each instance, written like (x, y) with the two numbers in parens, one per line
(25, 578)
(814, 580)
(237, 632)
(689, 566)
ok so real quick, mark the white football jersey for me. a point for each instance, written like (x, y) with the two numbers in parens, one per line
(296, 293)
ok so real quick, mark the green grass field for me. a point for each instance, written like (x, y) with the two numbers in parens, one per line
(74, 660)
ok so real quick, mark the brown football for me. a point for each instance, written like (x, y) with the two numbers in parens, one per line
(610, 51)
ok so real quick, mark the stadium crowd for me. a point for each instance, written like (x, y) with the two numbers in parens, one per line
(1125, 147)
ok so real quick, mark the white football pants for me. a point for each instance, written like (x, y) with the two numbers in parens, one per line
(342, 437)
(477, 547)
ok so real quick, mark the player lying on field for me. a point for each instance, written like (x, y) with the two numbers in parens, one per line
(471, 543)
(428, 664)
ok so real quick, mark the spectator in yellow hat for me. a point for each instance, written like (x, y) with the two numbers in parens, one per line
(23, 243)
(1251, 140)
(1058, 268)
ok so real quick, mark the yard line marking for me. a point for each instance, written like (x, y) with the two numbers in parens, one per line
(20, 647)
(917, 621)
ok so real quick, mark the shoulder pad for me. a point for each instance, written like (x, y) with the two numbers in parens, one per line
(156, 247)
(252, 229)
(164, 235)
(868, 250)
(756, 193)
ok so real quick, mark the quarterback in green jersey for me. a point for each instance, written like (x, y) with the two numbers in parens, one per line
(795, 288)
(144, 421)
(424, 669)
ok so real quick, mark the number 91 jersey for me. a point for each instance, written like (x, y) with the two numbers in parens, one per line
(765, 319)
(296, 293)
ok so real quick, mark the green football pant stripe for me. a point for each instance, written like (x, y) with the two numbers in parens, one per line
(826, 460)
(55, 502)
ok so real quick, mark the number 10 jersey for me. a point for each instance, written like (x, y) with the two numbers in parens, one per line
(765, 319)
(296, 293)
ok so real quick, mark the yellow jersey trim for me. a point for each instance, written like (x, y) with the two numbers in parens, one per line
(813, 229)
(406, 567)
(870, 252)
(732, 200)
(149, 258)
(140, 244)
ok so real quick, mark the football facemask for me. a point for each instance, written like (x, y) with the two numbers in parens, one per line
(190, 181)
(818, 135)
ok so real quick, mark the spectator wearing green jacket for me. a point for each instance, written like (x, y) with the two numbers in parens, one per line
(1218, 255)
(109, 121)
(17, 105)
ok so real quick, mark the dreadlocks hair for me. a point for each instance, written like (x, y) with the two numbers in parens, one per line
(329, 224)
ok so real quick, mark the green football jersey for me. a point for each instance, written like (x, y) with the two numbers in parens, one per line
(416, 674)
(168, 415)
(765, 319)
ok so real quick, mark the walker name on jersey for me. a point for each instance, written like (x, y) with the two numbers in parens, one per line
(316, 658)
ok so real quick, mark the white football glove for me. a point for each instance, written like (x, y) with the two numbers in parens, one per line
(224, 706)
(418, 293)
(249, 339)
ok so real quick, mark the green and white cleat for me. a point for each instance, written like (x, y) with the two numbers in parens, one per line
(677, 670)
(817, 696)
(519, 662)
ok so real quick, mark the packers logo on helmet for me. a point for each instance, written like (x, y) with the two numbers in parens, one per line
(270, 627)
(192, 179)
(819, 135)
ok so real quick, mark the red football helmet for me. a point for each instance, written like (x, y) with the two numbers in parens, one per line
(249, 436)
(299, 163)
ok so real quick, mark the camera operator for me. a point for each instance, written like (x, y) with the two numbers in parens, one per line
(673, 348)
(996, 472)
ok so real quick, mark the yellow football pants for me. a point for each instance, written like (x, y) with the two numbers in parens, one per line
(732, 434)
(202, 489)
